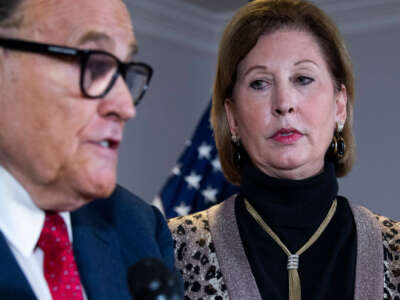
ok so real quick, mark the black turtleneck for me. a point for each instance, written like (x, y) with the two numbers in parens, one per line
(294, 209)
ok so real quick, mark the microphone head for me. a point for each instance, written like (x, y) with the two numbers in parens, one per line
(150, 279)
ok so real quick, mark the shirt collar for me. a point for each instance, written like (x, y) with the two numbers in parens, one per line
(21, 221)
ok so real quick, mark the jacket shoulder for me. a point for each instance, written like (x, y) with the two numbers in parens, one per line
(141, 229)
(390, 231)
(196, 258)
(123, 209)
(391, 255)
(194, 224)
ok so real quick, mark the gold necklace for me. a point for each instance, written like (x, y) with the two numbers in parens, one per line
(293, 259)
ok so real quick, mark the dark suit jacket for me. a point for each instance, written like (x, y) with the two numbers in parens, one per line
(109, 236)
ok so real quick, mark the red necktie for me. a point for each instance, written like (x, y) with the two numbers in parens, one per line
(59, 265)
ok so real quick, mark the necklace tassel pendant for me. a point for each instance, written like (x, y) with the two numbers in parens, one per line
(293, 262)
(294, 278)
(294, 285)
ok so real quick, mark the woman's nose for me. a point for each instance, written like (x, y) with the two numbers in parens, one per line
(283, 101)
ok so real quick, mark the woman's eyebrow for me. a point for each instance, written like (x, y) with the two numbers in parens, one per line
(305, 61)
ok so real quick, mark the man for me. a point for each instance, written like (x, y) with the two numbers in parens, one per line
(65, 96)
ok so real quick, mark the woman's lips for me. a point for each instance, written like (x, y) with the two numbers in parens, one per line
(287, 136)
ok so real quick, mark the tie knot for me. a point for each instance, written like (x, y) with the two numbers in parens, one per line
(54, 233)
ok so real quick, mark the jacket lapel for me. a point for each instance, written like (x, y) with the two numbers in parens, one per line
(239, 279)
(98, 257)
(369, 266)
(13, 284)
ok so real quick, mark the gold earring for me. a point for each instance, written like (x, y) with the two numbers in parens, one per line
(235, 139)
(237, 151)
(338, 146)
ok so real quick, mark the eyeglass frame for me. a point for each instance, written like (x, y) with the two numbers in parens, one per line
(83, 56)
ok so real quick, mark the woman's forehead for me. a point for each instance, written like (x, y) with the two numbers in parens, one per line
(289, 45)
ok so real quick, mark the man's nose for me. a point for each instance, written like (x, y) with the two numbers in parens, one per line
(118, 102)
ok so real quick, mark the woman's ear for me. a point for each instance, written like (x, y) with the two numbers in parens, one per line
(230, 115)
(341, 105)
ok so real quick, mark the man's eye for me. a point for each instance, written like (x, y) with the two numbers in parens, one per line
(99, 68)
(258, 84)
(304, 80)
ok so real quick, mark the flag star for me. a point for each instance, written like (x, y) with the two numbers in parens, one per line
(177, 170)
(182, 209)
(216, 165)
(210, 194)
(204, 151)
(193, 180)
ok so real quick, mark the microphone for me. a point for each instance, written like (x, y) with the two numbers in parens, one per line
(150, 279)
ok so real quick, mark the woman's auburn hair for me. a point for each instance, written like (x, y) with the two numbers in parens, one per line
(261, 17)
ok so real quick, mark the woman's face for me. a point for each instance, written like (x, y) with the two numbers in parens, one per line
(284, 105)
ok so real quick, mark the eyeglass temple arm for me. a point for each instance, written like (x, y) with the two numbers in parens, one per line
(27, 46)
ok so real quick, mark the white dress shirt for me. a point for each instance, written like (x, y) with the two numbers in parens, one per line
(21, 222)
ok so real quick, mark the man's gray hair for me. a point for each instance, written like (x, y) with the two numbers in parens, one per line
(8, 9)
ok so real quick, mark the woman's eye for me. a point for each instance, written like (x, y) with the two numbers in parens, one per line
(258, 84)
(304, 80)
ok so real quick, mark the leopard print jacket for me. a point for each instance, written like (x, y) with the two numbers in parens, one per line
(391, 257)
(197, 260)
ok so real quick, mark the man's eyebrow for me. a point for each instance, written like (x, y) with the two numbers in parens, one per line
(94, 36)
(133, 50)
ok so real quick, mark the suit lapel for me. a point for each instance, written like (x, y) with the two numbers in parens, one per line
(13, 284)
(232, 259)
(369, 267)
(98, 257)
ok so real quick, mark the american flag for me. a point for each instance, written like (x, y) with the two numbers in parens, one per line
(196, 181)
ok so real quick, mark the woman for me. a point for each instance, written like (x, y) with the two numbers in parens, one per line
(282, 117)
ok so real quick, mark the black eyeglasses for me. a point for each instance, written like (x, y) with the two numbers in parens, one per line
(99, 69)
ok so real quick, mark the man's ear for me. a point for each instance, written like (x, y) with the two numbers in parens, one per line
(231, 116)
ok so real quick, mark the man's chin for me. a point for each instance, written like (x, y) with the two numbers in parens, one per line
(103, 190)
(100, 187)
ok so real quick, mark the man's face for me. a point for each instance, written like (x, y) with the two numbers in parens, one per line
(61, 146)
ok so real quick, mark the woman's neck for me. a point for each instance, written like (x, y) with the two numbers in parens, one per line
(290, 203)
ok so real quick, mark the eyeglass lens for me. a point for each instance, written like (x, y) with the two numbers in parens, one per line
(101, 71)
(136, 79)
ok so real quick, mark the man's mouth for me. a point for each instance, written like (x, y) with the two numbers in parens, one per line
(109, 144)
